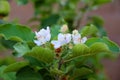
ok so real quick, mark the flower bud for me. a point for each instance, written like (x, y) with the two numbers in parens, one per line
(64, 28)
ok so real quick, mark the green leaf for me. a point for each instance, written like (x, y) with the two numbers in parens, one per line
(89, 30)
(16, 32)
(21, 49)
(51, 20)
(45, 73)
(35, 62)
(87, 1)
(42, 54)
(7, 43)
(7, 60)
(81, 72)
(98, 22)
(55, 31)
(69, 68)
(56, 71)
(6, 76)
(27, 73)
(22, 2)
(99, 47)
(78, 50)
(4, 7)
(100, 2)
(15, 66)
(112, 45)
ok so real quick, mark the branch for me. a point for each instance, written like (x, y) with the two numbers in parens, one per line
(82, 17)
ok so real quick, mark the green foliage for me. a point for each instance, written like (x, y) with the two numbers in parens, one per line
(68, 62)
(21, 49)
(27, 73)
(7, 43)
(42, 54)
(6, 76)
(99, 47)
(4, 8)
(81, 73)
(80, 49)
(7, 60)
(98, 22)
(99, 2)
(89, 30)
(15, 66)
(55, 31)
(112, 46)
(51, 20)
(51, 12)
(22, 2)
(35, 62)
(96, 2)
(55, 71)
(16, 32)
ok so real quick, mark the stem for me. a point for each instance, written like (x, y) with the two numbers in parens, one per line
(59, 67)
(76, 57)
(82, 17)
(59, 63)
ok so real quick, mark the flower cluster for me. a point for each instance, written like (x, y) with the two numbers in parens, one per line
(44, 36)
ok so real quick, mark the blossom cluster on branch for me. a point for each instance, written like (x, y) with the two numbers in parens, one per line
(63, 38)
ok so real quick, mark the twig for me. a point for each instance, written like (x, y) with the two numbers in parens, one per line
(82, 17)
(59, 67)
(76, 57)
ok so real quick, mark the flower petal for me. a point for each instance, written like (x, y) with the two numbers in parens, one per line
(56, 44)
(43, 36)
(68, 38)
(37, 42)
(84, 39)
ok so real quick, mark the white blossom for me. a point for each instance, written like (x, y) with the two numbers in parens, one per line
(77, 37)
(42, 36)
(62, 40)
(56, 44)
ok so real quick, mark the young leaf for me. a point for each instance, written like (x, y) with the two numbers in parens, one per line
(42, 54)
(56, 71)
(6, 76)
(21, 49)
(15, 66)
(78, 51)
(99, 47)
(112, 46)
(16, 32)
(98, 22)
(55, 31)
(89, 30)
